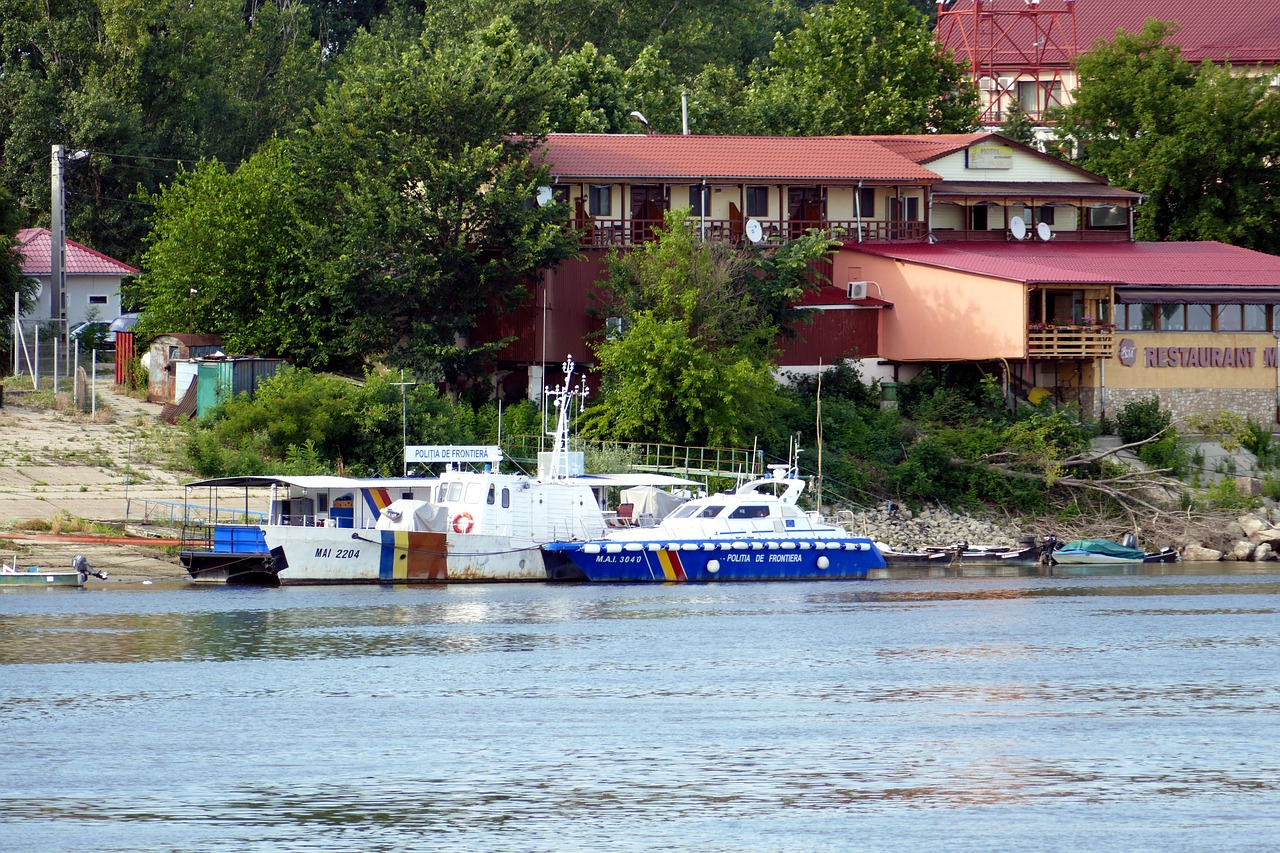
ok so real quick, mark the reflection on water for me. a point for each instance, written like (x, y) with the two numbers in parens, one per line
(1034, 711)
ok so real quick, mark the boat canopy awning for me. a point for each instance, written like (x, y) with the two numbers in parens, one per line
(628, 480)
(309, 482)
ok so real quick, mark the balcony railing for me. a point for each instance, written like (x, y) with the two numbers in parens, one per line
(1070, 341)
(611, 233)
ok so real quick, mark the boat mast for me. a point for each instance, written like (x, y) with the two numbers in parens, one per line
(562, 398)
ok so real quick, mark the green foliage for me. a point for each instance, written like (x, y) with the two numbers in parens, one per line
(694, 362)
(300, 422)
(12, 281)
(861, 67)
(1224, 494)
(1271, 486)
(1017, 126)
(953, 394)
(1198, 141)
(1257, 439)
(1139, 420)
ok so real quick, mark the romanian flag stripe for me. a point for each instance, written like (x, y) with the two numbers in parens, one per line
(377, 500)
(672, 570)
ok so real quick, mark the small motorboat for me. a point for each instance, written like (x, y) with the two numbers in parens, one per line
(1106, 552)
(1025, 554)
(81, 571)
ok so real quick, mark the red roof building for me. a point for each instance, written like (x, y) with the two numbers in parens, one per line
(1025, 51)
(93, 279)
(963, 248)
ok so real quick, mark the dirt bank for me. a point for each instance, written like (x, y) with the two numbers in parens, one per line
(61, 467)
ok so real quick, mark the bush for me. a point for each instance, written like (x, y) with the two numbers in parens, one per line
(1139, 420)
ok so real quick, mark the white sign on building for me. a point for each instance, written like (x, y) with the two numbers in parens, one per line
(430, 454)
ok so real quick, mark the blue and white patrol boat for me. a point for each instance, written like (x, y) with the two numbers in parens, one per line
(757, 532)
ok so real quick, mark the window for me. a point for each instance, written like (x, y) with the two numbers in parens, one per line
(978, 217)
(1045, 213)
(407, 496)
(97, 300)
(750, 512)
(1199, 318)
(913, 209)
(867, 202)
(493, 495)
(322, 501)
(1255, 318)
(1136, 318)
(1108, 216)
(1173, 318)
(1029, 96)
(758, 201)
(696, 195)
(601, 200)
(711, 511)
(506, 498)
(1230, 318)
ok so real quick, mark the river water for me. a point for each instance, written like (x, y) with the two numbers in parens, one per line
(911, 713)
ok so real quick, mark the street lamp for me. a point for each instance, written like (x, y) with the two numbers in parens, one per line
(191, 310)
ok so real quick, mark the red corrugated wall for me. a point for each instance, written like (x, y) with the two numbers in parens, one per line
(124, 354)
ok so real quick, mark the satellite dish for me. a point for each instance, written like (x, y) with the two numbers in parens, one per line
(1044, 232)
(544, 196)
(1018, 228)
(755, 233)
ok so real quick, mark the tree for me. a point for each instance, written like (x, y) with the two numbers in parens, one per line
(861, 67)
(1201, 143)
(12, 280)
(386, 228)
(694, 363)
(1017, 126)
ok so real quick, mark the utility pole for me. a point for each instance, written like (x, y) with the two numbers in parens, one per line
(58, 240)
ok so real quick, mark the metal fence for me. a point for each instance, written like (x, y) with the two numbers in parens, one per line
(37, 352)
(173, 514)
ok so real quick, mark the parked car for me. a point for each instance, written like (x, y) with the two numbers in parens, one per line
(93, 334)
(123, 323)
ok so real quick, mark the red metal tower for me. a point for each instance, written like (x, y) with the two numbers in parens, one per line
(1017, 50)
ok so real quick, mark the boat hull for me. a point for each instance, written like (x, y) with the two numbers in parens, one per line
(323, 555)
(41, 579)
(717, 561)
(233, 569)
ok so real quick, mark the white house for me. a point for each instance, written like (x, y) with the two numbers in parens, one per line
(93, 279)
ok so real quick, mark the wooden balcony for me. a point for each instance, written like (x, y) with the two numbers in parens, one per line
(612, 233)
(1060, 342)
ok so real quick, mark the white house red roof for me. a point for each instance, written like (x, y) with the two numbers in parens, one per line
(1244, 32)
(636, 157)
(1202, 264)
(33, 244)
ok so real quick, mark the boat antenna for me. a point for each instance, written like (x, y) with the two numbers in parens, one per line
(562, 398)
(818, 435)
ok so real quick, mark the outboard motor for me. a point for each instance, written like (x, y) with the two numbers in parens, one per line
(81, 565)
(1129, 541)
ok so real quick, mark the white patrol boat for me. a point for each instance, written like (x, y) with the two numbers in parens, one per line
(464, 526)
(756, 532)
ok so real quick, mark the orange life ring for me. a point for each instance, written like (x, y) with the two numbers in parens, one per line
(463, 522)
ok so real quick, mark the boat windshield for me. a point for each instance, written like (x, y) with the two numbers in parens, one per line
(697, 510)
(749, 511)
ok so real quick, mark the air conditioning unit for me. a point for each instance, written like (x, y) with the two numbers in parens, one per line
(857, 290)
(986, 84)
(1005, 82)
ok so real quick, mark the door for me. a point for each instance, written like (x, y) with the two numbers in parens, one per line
(805, 209)
(648, 203)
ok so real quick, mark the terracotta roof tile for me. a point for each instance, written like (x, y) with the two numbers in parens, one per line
(1246, 32)
(33, 244)
(1204, 264)
(582, 156)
